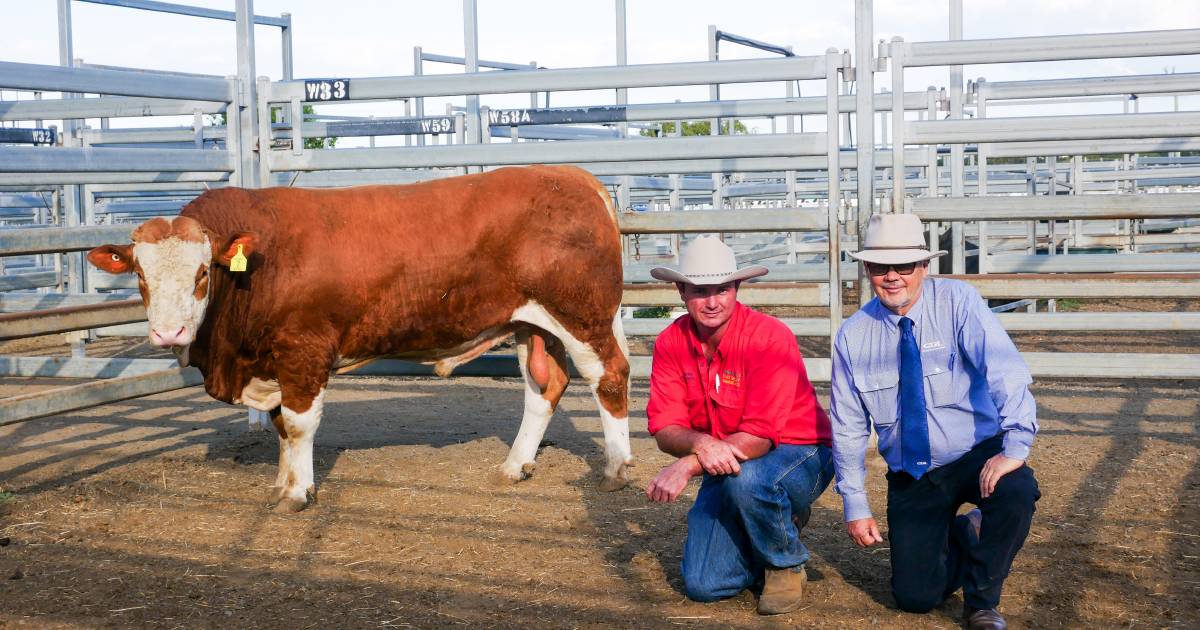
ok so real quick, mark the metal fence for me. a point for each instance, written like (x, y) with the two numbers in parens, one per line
(794, 200)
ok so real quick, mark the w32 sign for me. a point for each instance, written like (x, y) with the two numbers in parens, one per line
(327, 89)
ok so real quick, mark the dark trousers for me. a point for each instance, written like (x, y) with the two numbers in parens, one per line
(934, 553)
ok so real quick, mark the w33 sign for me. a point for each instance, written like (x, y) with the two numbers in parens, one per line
(327, 89)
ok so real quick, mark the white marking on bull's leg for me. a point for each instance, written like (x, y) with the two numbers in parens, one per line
(618, 452)
(523, 454)
(298, 481)
(276, 494)
(616, 447)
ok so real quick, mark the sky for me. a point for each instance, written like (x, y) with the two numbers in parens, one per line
(358, 38)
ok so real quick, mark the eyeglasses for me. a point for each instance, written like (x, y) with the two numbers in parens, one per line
(877, 269)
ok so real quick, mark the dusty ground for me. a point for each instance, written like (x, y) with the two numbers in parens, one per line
(151, 513)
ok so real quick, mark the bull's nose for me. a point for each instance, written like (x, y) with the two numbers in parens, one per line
(163, 339)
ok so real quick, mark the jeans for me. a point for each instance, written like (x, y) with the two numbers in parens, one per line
(741, 524)
(934, 552)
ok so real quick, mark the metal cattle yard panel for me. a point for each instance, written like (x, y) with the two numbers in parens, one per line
(819, 158)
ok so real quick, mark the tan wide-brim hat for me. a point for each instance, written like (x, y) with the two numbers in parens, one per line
(707, 260)
(895, 239)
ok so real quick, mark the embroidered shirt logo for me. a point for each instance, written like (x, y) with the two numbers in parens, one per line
(729, 377)
(936, 344)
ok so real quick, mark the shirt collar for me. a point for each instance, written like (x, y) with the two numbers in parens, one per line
(915, 313)
(734, 329)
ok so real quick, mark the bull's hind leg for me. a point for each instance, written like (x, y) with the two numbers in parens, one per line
(543, 362)
(601, 357)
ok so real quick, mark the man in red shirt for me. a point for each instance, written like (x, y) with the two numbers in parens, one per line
(729, 396)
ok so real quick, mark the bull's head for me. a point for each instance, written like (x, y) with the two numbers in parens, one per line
(172, 262)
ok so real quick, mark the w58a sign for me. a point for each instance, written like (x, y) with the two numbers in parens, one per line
(327, 89)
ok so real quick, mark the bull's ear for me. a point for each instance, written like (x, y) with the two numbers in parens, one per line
(224, 253)
(112, 258)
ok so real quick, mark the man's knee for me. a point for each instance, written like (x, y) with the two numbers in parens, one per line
(746, 485)
(1017, 490)
(913, 601)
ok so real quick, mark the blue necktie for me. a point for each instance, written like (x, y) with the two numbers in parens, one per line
(914, 425)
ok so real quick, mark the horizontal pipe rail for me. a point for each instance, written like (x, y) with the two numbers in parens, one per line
(1018, 286)
(551, 152)
(753, 294)
(44, 78)
(57, 320)
(50, 240)
(1053, 48)
(81, 367)
(766, 220)
(65, 399)
(28, 280)
(1050, 128)
(111, 160)
(104, 107)
(513, 81)
(1090, 86)
(1093, 263)
(1058, 207)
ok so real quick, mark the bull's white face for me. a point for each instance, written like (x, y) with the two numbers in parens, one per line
(173, 262)
(173, 278)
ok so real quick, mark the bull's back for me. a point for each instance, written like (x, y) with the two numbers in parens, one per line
(458, 254)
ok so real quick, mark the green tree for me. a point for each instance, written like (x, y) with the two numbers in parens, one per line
(693, 128)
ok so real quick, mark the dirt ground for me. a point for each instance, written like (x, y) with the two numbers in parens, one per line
(152, 513)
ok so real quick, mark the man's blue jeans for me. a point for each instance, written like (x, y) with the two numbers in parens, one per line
(742, 524)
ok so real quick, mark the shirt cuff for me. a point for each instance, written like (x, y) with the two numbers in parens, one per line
(856, 506)
(1014, 448)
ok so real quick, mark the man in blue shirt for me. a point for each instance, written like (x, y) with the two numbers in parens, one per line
(930, 366)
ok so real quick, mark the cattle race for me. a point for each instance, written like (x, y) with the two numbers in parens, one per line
(711, 316)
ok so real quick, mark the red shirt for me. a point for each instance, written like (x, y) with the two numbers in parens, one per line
(755, 383)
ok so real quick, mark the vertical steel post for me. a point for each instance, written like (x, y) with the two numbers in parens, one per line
(981, 178)
(247, 111)
(71, 202)
(419, 102)
(958, 248)
(864, 78)
(623, 192)
(931, 177)
(471, 44)
(285, 35)
(714, 129)
(833, 63)
(897, 53)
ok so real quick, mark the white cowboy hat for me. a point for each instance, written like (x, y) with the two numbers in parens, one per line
(895, 239)
(707, 260)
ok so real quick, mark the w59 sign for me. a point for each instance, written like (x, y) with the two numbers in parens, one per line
(327, 89)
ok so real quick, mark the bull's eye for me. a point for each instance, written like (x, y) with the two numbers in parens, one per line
(116, 258)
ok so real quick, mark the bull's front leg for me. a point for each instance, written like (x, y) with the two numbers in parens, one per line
(295, 487)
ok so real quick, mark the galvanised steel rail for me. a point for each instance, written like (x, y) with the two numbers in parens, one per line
(38, 77)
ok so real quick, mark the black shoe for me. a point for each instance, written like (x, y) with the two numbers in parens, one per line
(985, 619)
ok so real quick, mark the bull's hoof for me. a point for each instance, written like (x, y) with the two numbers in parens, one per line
(275, 495)
(612, 483)
(291, 505)
(510, 473)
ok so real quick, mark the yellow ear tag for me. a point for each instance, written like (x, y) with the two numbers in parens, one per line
(238, 262)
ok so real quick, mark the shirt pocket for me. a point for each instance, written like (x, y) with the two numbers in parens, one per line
(880, 393)
(944, 388)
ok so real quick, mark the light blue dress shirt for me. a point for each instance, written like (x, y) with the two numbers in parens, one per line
(976, 384)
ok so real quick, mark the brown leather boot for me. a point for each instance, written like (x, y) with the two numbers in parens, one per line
(783, 591)
(986, 619)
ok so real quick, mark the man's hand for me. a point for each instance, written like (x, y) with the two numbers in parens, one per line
(864, 532)
(995, 468)
(670, 481)
(720, 458)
